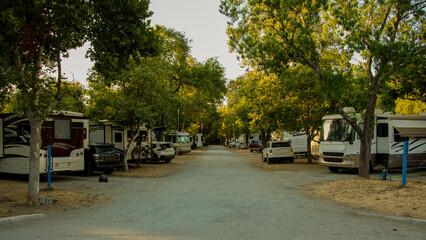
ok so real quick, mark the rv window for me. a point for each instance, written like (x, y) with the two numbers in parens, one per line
(118, 137)
(62, 128)
(84, 133)
(382, 130)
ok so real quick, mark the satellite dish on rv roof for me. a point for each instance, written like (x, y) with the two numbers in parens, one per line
(378, 111)
(349, 109)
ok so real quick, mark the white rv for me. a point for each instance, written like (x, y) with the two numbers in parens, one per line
(65, 131)
(340, 145)
(180, 141)
(298, 142)
(109, 132)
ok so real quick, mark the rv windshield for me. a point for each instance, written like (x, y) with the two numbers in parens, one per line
(183, 139)
(337, 130)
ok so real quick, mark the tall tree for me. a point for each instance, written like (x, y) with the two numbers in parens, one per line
(120, 29)
(35, 33)
(136, 97)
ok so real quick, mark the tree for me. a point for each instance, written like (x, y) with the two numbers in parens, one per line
(136, 98)
(33, 34)
(193, 86)
(325, 35)
(302, 85)
(120, 29)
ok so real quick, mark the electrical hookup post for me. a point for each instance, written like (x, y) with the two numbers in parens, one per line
(49, 164)
(404, 164)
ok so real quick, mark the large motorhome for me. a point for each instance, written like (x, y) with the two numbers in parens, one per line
(340, 145)
(109, 132)
(65, 131)
(180, 141)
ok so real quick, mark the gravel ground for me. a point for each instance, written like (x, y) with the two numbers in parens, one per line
(218, 194)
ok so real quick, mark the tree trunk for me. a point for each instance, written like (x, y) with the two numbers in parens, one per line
(365, 154)
(308, 148)
(34, 168)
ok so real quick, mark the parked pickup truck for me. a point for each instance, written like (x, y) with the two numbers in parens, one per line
(255, 145)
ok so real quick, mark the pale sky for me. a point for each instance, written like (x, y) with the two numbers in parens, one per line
(199, 20)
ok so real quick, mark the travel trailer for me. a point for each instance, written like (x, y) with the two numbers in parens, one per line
(109, 132)
(65, 131)
(298, 141)
(180, 141)
(340, 145)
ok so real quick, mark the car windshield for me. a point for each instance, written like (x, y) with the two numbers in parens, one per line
(280, 144)
(165, 145)
(255, 142)
(337, 130)
(105, 149)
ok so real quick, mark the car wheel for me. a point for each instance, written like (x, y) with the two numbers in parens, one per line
(168, 160)
(251, 150)
(334, 169)
(154, 158)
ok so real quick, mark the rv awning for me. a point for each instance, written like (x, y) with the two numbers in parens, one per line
(414, 132)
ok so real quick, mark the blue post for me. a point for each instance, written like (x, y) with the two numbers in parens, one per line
(404, 164)
(49, 151)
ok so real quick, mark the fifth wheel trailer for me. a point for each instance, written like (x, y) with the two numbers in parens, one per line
(65, 131)
(340, 145)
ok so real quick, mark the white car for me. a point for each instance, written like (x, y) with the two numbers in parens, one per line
(277, 151)
(162, 151)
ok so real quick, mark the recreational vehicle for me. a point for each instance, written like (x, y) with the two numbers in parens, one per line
(340, 145)
(298, 141)
(180, 141)
(109, 132)
(65, 132)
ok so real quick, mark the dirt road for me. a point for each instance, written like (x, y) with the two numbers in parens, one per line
(217, 195)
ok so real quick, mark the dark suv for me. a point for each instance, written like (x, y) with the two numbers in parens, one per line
(101, 157)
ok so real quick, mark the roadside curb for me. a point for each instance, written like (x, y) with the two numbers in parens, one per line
(392, 217)
(20, 218)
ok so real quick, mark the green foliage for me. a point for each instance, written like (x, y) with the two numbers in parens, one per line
(135, 99)
(409, 107)
(120, 29)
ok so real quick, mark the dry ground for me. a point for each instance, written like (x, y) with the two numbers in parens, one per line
(14, 189)
(383, 196)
